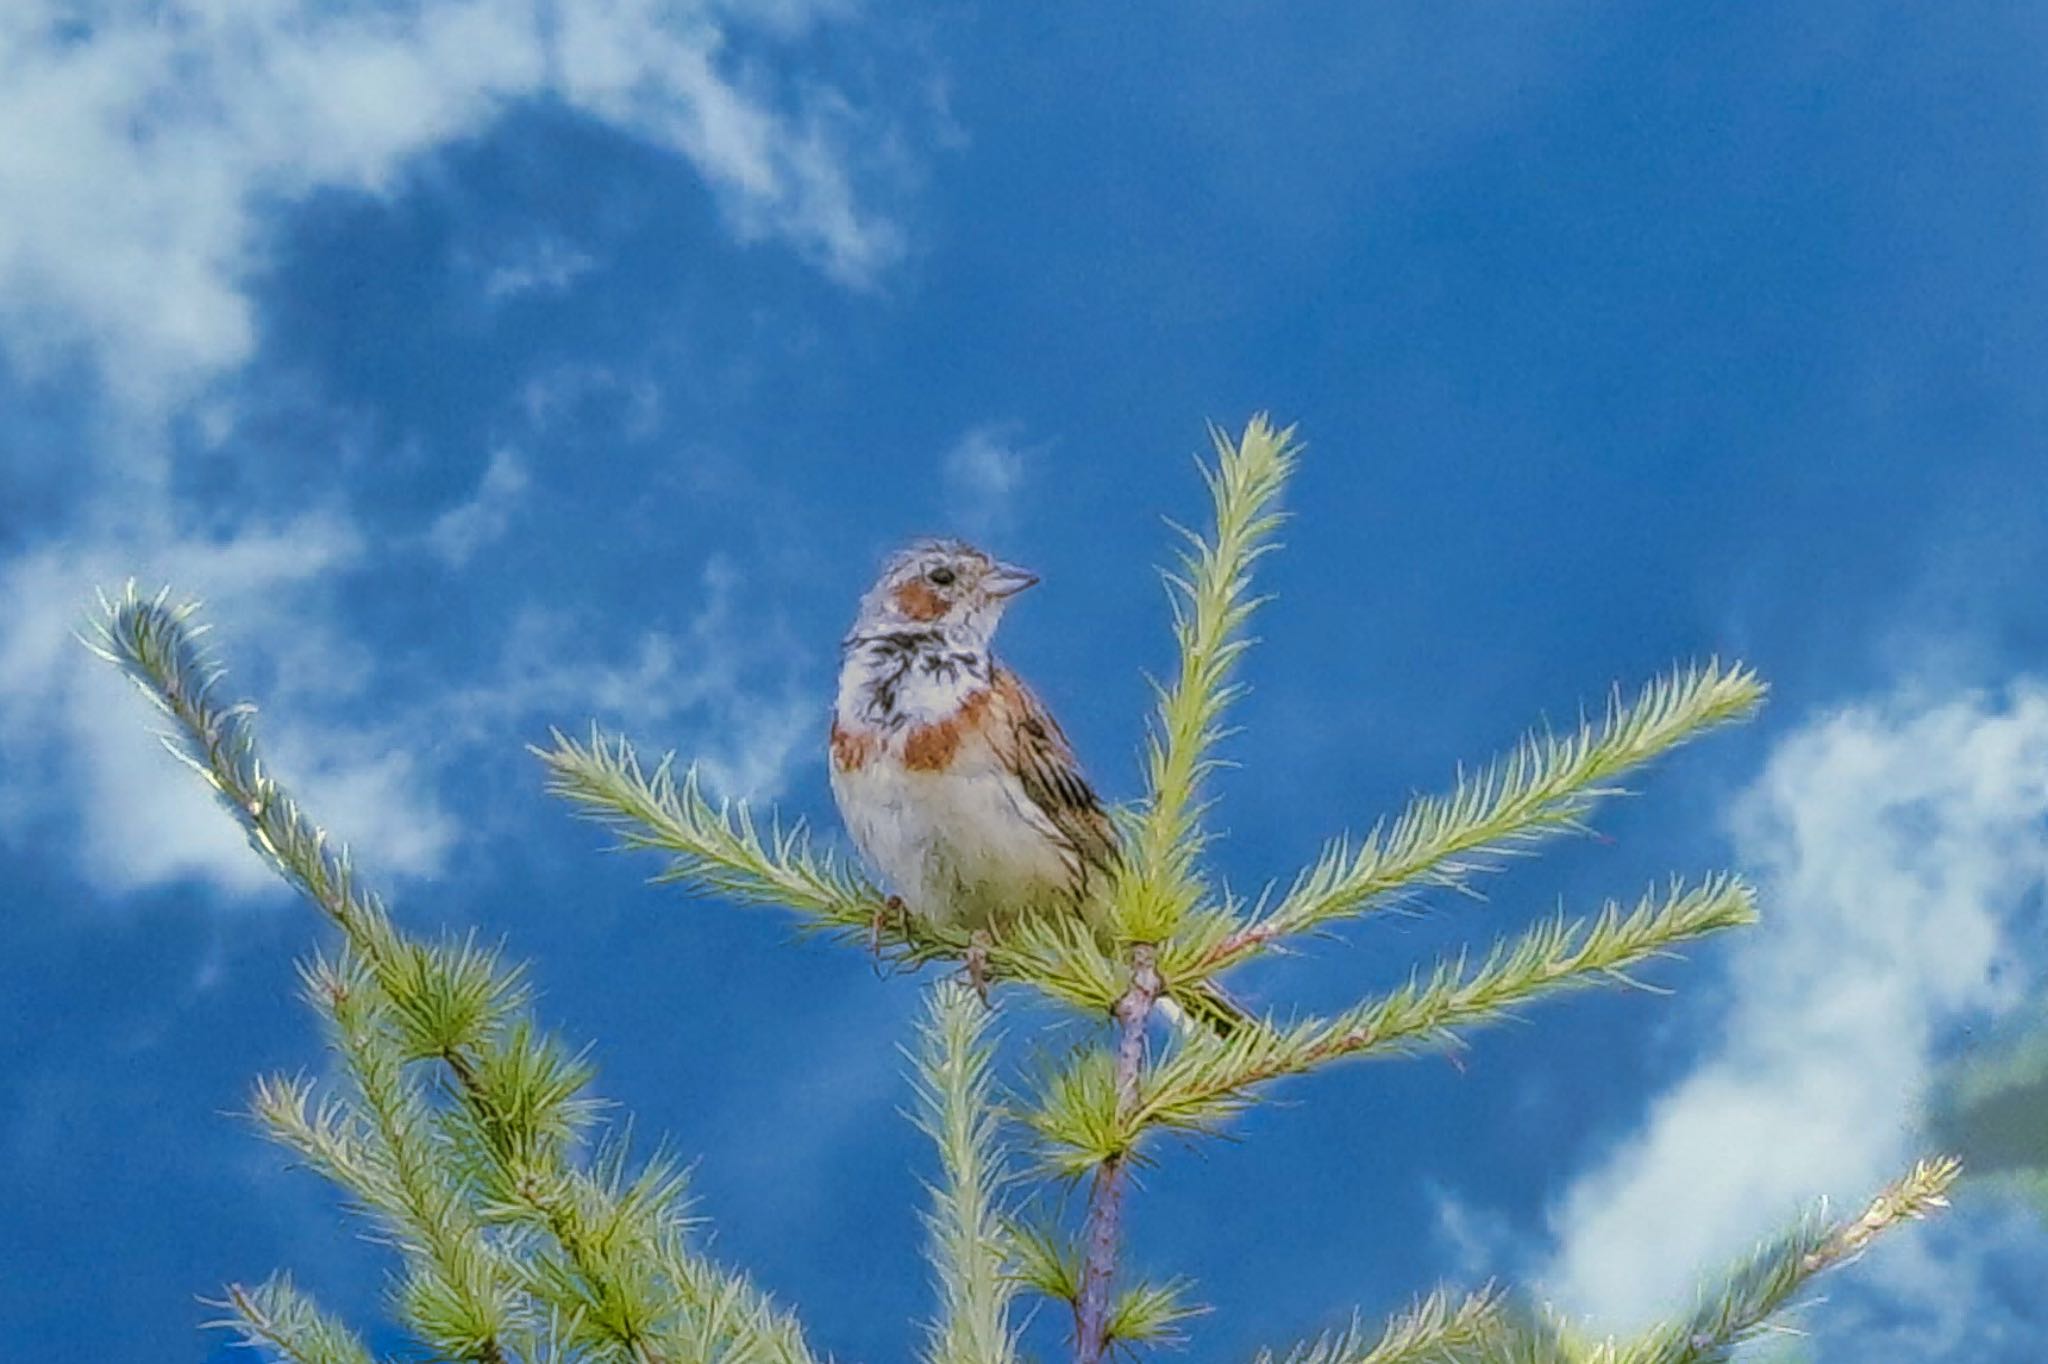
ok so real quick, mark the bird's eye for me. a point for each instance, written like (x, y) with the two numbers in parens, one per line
(940, 576)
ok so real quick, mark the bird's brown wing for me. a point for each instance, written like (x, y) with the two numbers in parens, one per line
(1030, 743)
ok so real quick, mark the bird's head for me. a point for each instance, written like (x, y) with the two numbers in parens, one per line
(943, 585)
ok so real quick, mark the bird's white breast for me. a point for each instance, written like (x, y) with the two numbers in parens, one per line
(959, 846)
(964, 843)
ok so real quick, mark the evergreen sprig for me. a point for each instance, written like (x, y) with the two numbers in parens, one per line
(720, 848)
(275, 1315)
(1731, 1312)
(1439, 1329)
(1760, 1286)
(1547, 784)
(1212, 604)
(715, 848)
(1149, 1313)
(968, 1237)
(458, 1291)
(514, 1248)
(1205, 1080)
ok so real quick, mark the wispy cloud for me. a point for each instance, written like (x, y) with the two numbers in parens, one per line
(545, 265)
(983, 473)
(778, 174)
(572, 392)
(462, 530)
(728, 687)
(1475, 1242)
(1896, 841)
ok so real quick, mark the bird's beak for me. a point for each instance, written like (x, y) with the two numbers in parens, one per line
(1007, 580)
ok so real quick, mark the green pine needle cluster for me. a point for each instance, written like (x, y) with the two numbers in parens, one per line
(1043, 1259)
(1437, 1328)
(1758, 1288)
(970, 1242)
(524, 1232)
(1547, 784)
(276, 1317)
(1212, 603)
(714, 848)
(461, 1127)
(1487, 1328)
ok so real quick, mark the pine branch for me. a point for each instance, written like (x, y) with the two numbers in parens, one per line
(1434, 1331)
(1739, 1308)
(1539, 1337)
(1206, 1080)
(1160, 883)
(158, 649)
(1044, 1260)
(968, 1243)
(275, 1316)
(328, 1136)
(721, 849)
(516, 1107)
(1212, 604)
(1547, 785)
(1761, 1286)
(715, 849)
(458, 1293)
(1143, 1313)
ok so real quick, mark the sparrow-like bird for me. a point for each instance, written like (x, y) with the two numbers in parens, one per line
(956, 783)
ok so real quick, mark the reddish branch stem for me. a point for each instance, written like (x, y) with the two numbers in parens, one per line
(1106, 1195)
(1241, 944)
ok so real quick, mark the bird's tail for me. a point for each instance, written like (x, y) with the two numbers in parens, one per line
(1205, 1007)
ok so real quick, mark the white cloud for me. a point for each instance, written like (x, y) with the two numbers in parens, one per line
(546, 265)
(791, 18)
(575, 392)
(982, 475)
(139, 143)
(1894, 843)
(462, 530)
(139, 146)
(633, 63)
(1475, 1241)
(79, 737)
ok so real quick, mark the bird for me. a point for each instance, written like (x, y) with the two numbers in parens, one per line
(955, 782)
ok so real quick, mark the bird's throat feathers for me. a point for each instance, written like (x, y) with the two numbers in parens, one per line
(908, 685)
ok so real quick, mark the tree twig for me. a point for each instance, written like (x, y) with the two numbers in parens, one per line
(1106, 1195)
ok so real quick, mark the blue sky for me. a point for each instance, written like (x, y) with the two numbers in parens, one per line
(489, 366)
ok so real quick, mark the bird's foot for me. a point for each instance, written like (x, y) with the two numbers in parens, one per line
(890, 911)
(977, 963)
